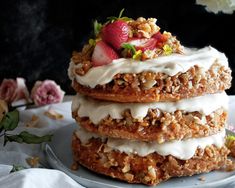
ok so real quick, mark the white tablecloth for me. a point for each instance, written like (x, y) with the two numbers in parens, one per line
(14, 153)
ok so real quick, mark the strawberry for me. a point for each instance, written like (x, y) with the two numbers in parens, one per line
(103, 54)
(115, 33)
(160, 38)
(143, 44)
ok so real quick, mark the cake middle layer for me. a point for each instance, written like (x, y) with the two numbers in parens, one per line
(159, 121)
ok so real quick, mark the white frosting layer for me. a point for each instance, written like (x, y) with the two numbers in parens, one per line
(181, 149)
(98, 110)
(170, 65)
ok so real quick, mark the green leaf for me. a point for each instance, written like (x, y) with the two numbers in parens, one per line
(129, 47)
(16, 168)
(34, 139)
(126, 18)
(120, 14)
(26, 137)
(10, 120)
(97, 27)
(111, 19)
(12, 138)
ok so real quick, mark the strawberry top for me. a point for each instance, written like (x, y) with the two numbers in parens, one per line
(115, 33)
(122, 37)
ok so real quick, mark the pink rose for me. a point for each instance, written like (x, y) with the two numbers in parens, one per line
(46, 92)
(13, 90)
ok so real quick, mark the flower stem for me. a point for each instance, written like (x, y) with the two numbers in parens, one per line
(22, 105)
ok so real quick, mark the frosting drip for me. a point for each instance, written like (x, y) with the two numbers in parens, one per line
(181, 149)
(97, 110)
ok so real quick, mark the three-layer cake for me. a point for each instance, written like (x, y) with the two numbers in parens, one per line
(148, 109)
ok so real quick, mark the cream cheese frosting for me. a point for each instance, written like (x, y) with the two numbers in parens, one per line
(181, 149)
(97, 110)
(170, 65)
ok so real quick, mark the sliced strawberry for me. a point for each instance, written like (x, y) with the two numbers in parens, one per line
(160, 38)
(115, 33)
(143, 44)
(103, 54)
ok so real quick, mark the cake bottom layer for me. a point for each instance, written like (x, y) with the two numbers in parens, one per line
(151, 169)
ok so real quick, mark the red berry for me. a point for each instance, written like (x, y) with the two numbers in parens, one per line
(160, 38)
(115, 33)
(103, 54)
(143, 44)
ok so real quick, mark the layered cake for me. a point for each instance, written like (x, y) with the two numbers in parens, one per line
(147, 108)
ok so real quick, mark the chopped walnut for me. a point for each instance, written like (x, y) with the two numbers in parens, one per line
(143, 28)
(126, 168)
(202, 178)
(129, 177)
(75, 166)
(33, 161)
(53, 115)
(33, 122)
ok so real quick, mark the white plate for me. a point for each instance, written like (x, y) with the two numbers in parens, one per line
(59, 156)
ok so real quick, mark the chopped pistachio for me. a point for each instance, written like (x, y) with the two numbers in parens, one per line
(137, 55)
(167, 49)
(92, 42)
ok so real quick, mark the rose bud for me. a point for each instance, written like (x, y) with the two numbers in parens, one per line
(46, 92)
(13, 90)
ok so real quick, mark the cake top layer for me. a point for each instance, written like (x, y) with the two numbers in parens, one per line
(171, 65)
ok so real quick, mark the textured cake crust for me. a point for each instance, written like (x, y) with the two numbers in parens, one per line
(157, 125)
(151, 169)
(150, 87)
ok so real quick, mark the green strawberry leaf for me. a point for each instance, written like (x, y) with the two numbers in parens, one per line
(97, 27)
(111, 19)
(129, 47)
(126, 18)
(121, 12)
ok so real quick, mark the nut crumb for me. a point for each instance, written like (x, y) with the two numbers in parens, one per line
(33, 161)
(33, 122)
(202, 178)
(74, 166)
(53, 114)
(230, 165)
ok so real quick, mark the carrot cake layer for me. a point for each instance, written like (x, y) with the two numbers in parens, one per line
(158, 121)
(167, 78)
(148, 163)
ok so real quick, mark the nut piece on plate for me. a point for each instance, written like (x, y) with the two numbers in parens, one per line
(53, 114)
